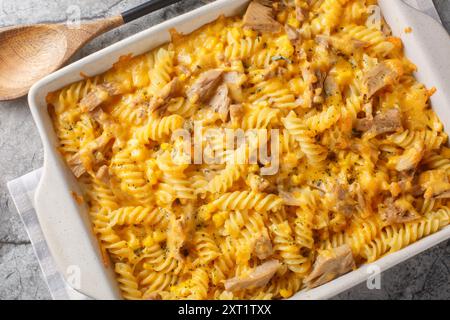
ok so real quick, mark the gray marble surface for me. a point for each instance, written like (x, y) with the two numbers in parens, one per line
(426, 276)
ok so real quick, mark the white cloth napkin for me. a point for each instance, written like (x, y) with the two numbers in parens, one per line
(22, 192)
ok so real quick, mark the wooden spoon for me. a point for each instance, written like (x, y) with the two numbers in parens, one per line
(30, 52)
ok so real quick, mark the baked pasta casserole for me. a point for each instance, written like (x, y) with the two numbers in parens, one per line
(359, 164)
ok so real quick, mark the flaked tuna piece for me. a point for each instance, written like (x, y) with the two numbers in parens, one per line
(363, 125)
(384, 122)
(76, 165)
(102, 118)
(347, 209)
(393, 213)
(320, 77)
(205, 86)
(176, 237)
(263, 247)
(220, 102)
(236, 113)
(407, 183)
(344, 201)
(99, 143)
(181, 232)
(382, 75)
(83, 160)
(93, 99)
(329, 265)
(259, 17)
(112, 88)
(330, 86)
(388, 121)
(169, 91)
(234, 81)
(314, 79)
(99, 95)
(103, 174)
(258, 278)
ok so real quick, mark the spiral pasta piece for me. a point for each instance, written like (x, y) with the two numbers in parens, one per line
(245, 200)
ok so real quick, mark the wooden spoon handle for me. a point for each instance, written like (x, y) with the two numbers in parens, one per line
(146, 8)
(88, 31)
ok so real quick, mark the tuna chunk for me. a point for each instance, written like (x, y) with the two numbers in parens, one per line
(389, 121)
(220, 102)
(102, 118)
(263, 247)
(384, 122)
(76, 165)
(83, 160)
(236, 112)
(363, 125)
(112, 88)
(103, 174)
(180, 232)
(330, 86)
(176, 236)
(329, 265)
(379, 77)
(99, 95)
(260, 18)
(258, 278)
(167, 92)
(205, 86)
(393, 213)
(234, 81)
(93, 99)
(345, 203)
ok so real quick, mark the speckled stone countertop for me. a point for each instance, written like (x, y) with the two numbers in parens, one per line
(426, 276)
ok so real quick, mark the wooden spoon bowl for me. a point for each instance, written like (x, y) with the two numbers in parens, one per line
(28, 53)
(41, 52)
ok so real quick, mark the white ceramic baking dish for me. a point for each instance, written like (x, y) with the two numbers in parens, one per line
(66, 224)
